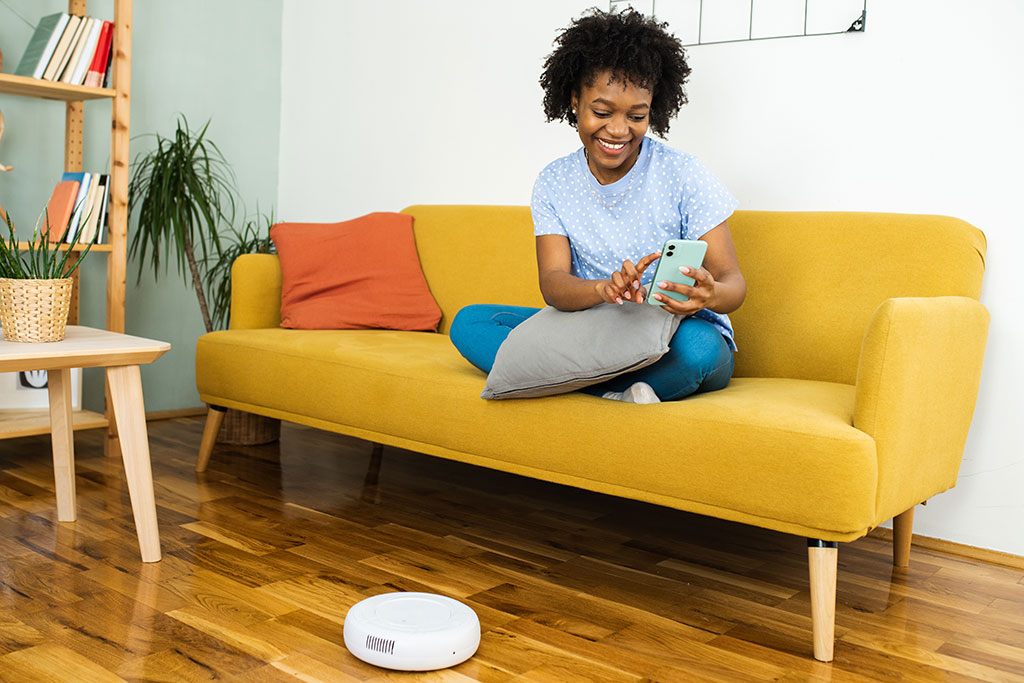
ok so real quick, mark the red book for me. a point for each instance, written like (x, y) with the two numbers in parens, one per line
(58, 211)
(94, 79)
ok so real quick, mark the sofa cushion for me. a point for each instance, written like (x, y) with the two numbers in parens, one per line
(777, 453)
(555, 352)
(357, 274)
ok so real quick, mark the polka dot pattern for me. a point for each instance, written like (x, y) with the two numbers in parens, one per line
(667, 194)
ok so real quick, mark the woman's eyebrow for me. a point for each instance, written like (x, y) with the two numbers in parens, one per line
(601, 100)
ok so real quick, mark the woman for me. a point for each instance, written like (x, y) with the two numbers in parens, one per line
(601, 213)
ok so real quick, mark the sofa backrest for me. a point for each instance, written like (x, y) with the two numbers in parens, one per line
(476, 255)
(813, 279)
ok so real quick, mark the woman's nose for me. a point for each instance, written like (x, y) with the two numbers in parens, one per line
(617, 126)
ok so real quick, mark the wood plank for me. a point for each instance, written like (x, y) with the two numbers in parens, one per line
(50, 90)
(18, 423)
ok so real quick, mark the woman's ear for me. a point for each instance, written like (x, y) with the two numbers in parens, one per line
(574, 102)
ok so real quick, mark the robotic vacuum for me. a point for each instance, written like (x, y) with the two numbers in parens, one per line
(412, 631)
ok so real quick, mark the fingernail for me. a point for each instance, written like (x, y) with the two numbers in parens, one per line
(626, 295)
(663, 284)
(636, 284)
(658, 297)
(684, 269)
(618, 300)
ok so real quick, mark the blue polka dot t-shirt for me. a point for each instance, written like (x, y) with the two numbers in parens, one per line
(667, 194)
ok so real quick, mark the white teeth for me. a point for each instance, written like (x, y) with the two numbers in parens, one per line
(611, 146)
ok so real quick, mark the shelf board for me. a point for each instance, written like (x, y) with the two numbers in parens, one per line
(77, 247)
(15, 423)
(49, 90)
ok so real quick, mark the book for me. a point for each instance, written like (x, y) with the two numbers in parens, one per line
(86, 213)
(41, 46)
(97, 209)
(85, 60)
(101, 226)
(62, 52)
(84, 180)
(106, 69)
(76, 54)
(94, 78)
(59, 208)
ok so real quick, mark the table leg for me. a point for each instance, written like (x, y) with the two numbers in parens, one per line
(125, 385)
(63, 442)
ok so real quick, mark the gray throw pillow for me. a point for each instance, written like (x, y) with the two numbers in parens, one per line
(554, 352)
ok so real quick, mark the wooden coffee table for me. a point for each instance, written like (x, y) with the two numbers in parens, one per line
(121, 355)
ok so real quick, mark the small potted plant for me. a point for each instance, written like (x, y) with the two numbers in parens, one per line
(35, 284)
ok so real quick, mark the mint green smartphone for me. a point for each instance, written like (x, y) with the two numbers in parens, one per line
(675, 254)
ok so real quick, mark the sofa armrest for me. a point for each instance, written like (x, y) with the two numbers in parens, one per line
(255, 291)
(917, 385)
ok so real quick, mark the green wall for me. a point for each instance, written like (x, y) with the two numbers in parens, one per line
(207, 60)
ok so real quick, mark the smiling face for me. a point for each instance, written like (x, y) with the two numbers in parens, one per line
(612, 119)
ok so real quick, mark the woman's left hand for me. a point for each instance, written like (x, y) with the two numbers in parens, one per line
(701, 294)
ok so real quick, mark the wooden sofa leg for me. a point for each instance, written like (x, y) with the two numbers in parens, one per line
(902, 530)
(214, 418)
(823, 560)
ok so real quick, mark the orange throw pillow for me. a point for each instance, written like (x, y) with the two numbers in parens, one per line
(354, 275)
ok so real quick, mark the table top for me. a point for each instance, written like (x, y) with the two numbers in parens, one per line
(82, 347)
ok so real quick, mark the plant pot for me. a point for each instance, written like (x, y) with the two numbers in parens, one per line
(34, 310)
(247, 429)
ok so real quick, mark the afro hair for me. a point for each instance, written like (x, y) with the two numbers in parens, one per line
(634, 48)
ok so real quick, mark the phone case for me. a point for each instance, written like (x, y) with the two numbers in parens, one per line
(675, 254)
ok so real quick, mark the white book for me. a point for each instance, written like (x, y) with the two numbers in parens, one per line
(76, 56)
(96, 200)
(63, 51)
(85, 60)
(55, 37)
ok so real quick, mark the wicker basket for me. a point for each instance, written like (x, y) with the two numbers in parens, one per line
(34, 310)
(246, 429)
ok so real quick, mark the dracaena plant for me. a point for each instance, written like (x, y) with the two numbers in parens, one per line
(41, 259)
(181, 192)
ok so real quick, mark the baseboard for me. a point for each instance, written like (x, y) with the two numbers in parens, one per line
(155, 415)
(959, 549)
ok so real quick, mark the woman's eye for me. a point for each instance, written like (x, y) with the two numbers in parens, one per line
(602, 114)
(638, 118)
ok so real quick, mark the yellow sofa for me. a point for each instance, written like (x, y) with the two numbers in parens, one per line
(860, 351)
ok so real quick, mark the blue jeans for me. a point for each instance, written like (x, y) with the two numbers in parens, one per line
(698, 359)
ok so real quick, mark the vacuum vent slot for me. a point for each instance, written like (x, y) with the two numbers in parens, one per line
(380, 645)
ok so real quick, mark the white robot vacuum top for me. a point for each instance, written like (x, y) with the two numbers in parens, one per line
(412, 631)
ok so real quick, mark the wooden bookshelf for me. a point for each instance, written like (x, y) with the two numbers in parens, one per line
(14, 423)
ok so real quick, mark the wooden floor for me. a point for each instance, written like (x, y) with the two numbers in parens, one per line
(265, 553)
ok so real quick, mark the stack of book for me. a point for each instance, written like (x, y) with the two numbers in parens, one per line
(69, 49)
(78, 205)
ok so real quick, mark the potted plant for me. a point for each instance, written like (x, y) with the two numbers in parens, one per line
(238, 427)
(35, 284)
(182, 191)
(253, 238)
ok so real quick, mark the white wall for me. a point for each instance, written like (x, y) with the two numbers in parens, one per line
(398, 102)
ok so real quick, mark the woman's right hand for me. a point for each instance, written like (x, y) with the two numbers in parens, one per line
(624, 284)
